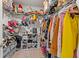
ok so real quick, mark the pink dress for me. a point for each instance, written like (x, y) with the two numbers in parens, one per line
(61, 16)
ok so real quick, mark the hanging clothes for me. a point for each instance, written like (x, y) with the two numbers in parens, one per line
(52, 32)
(75, 29)
(78, 41)
(52, 29)
(15, 23)
(48, 35)
(24, 23)
(69, 36)
(61, 16)
(44, 25)
(46, 17)
(50, 25)
(34, 17)
(54, 39)
(10, 23)
(11, 30)
(24, 18)
(20, 8)
(75, 33)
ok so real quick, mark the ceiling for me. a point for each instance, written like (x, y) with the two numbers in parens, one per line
(35, 3)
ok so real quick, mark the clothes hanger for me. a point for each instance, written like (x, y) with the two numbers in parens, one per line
(74, 10)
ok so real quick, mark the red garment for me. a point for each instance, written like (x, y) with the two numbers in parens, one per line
(10, 23)
(43, 49)
(20, 6)
(15, 23)
(11, 30)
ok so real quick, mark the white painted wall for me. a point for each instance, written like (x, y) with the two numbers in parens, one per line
(38, 3)
(25, 8)
(1, 53)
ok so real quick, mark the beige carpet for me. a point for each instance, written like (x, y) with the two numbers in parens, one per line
(31, 53)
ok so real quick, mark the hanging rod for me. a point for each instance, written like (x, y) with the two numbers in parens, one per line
(65, 5)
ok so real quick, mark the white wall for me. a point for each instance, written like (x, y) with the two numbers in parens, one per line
(25, 8)
(1, 50)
